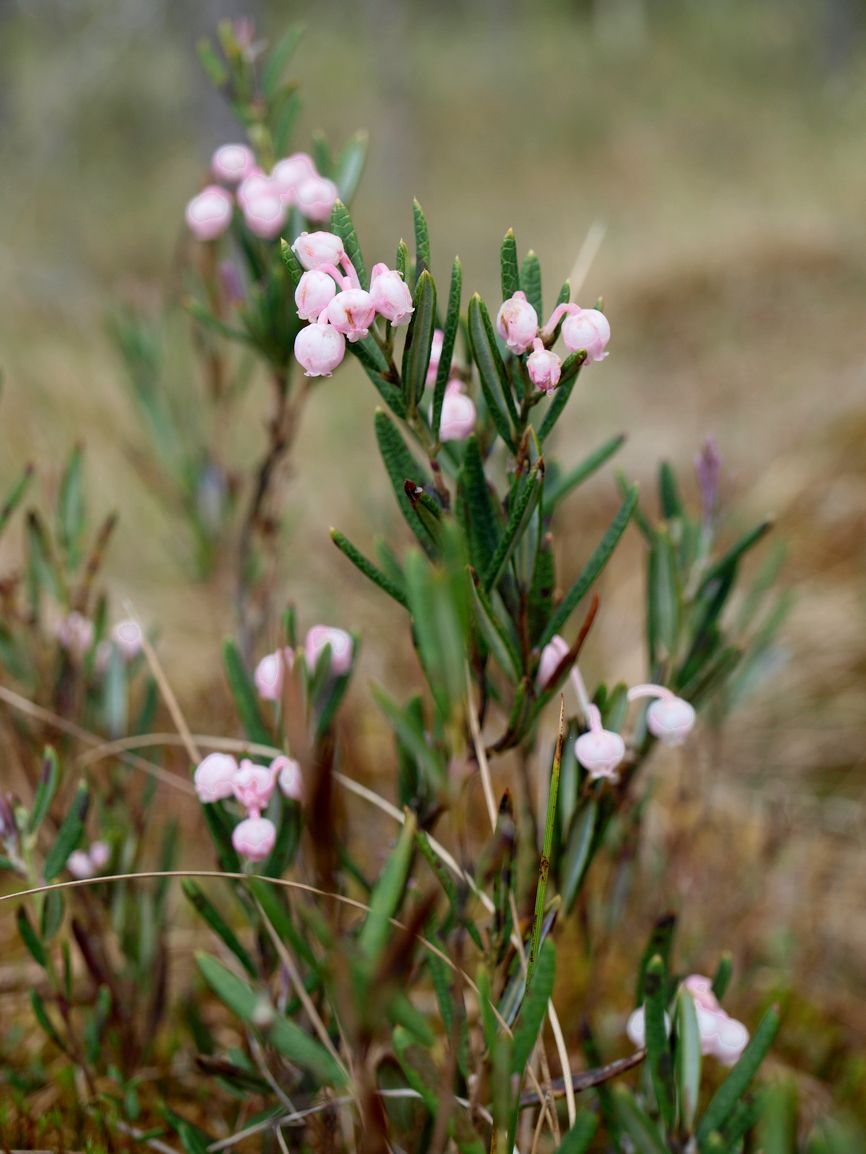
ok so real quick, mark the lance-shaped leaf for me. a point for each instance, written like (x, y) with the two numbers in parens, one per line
(558, 487)
(388, 893)
(43, 574)
(510, 274)
(422, 240)
(576, 857)
(69, 835)
(670, 502)
(592, 569)
(688, 1059)
(738, 1081)
(660, 944)
(635, 1122)
(296, 269)
(48, 781)
(377, 369)
(476, 507)
(350, 165)
(244, 694)
(496, 632)
(664, 599)
(722, 976)
(206, 318)
(400, 466)
(366, 566)
(290, 1040)
(199, 900)
(495, 384)
(278, 57)
(567, 380)
(220, 827)
(419, 340)
(530, 282)
(409, 728)
(659, 1057)
(323, 157)
(727, 564)
(70, 507)
(449, 338)
(523, 506)
(30, 938)
(534, 1008)
(341, 224)
(401, 261)
(15, 497)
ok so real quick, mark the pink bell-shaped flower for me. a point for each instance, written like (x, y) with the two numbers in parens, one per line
(214, 777)
(265, 212)
(209, 214)
(315, 249)
(254, 838)
(551, 658)
(517, 323)
(586, 330)
(253, 184)
(253, 785)
(316, 197)
(75, 633)
(670, 718)
(390, 294)
(635, 1027)
(289, 777)
(341, 645)
(600, 750)
(351, 312)
(458, 417)
(269, 673)
(79, 864)
(232, 162)
(319, 348)
(314, 293)
(291, 172)
(126, 635)
(543, 367)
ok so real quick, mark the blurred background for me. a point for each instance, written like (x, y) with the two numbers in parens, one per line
(722, 148)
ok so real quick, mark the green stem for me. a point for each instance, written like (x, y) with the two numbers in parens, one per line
(544, 865)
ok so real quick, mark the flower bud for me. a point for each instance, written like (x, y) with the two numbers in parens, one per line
(600, 750)
(100, 854)
(458, 413)
(269, 673)
(587, 330)
(671, 720)
(341, 648)
(314, 249)
(209, 214)
(126, 635)
(551, 658)
(75, 634)
(289, 777)
(314, 293)
(291, 172)
(253, 785)
(265, 213)
(254, 838)
(214, 776)
(316, 197)
(390, 294)
(351, 312)
(319, 349)
(517, 322)
(731, 1039)
(635, 1027)
(232, 162)
(543, 367)
(435, 356)
(252, 185)
(79, 864)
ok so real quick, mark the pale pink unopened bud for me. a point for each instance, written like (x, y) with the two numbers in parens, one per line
(600, 750)
(351, 312)
(289, 777)
(458, 413)
(253, 785)
(669, 718)
(316, 197)
(543, 367)
(341, 648)
(100, 854)
(269, 673)
(291, 172)
(635, 1027)
(209, 214)
(265, 213)
(253, 184)
(319, 348)
(391, 296)
(551, 658)
(587, 330)
(79, 864)
(315, 249)
(435, 355)
(722, 1037)
(701, 989)
(232, 162)
(75, 634)
(731, 1039)
(517, 322)
(314, 293)
(127, 636)
(214, 776)
(254, 838)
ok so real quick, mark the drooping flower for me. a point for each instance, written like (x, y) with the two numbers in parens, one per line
(265, 212)
(351, 312)
(269, 673)
(75, 633)
(214, 776)
(341, 645)
(458, 416)
(670, 718)
(599, 750)
(127, 636)
(319, 348)
(253, 785)
(390, 295)
(543, 366)
(254, 838)
(586, 330)
(209, 214)
(100, 854)
(635, 1027)
(722, 1036)
(551, 658)
(517, 323)
(232, 162)
(315, 249)
(289, 777)
(288, 174)
(316, 197)
(314, 293)
(79, 864)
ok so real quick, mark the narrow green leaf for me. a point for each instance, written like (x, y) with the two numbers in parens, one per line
(376, 368)
(70, 507)
(370, 571)
(278, 57)
(577, 1140)
(412, 736)
(350, 165)
(495, 384)
(341, 224)
(68, 836)
(401, 262)
(322, 155)
(43, 572)
(400, 466)
(659, 1057)
(660, 944)
(42, 1017)
(571, 367)
(46, 790)
(556, 488)
(592, 569)
(688, 1059)
(508, 262)
(30, 938)
(530, 282)
(670, 502)
(15, 497)
(728, 563)
(244, 694)
(534, 1008)
(53, 909)
(211, 915)
(422, 240)
(639, 1127)
(199, 313)
(722, 977)
(220, 829)
(296, 269)
(496, 634)
(576, 856)
(419, 340)
(737, 1082)
(664, 599)
(481, 521)
(519, 515)
(449, 338)
(777, 1129)
(388, 893)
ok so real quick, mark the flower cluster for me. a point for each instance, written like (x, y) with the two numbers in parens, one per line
(87, 863)
(219, 777)
(584, 331)
(600, 751)
(263, 199)
(722, 1036)
(329, 295)
(269, 674)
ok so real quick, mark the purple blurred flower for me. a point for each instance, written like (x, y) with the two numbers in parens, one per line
(708, 466)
